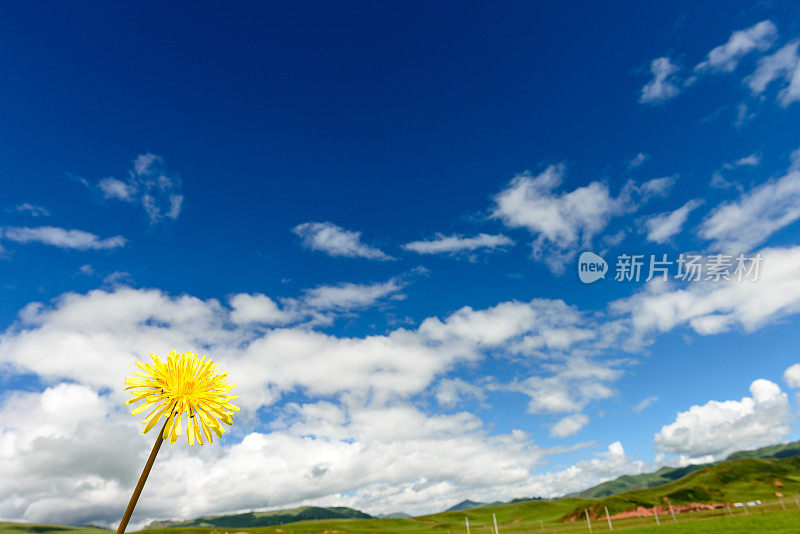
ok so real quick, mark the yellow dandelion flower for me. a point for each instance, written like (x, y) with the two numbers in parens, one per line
(183, 385)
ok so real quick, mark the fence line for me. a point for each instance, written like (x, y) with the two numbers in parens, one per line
(725, 510)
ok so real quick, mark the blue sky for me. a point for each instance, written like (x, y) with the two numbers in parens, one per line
(372, 215)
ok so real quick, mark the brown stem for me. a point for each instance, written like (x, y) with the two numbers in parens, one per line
(142, 479)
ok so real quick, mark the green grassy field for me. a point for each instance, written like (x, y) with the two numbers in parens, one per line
(772, 520)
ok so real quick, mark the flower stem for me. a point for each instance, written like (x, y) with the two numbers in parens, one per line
(142, 479)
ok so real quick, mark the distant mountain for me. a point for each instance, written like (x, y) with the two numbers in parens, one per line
(669, 474)
(786, 450)
(265, 519)
(469, 505)
(395, 515)
(466, 505)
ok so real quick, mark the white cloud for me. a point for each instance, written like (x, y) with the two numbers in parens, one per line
(792, 376)
(71, 455)
(716, 429)
(637, 194)
(644, 403)
(117, 278)
(149, 184)
(748, 161)
(453, 391)
(638, 160)
(570, 388)
(740, 225)
(791, 93)
(117, 189)
(33, 211)
(662, 87)
(94, 338)
(714, 307)
(783, 64)
(720, 182)
(743, 114)
(364, 445)
(350, 296)
(661, 227)
(556, 335)
(725, 58)
(316, 306)
(549, 395)
(336, 241)
(257, 308)
(351, 427)
(145, 163)
(74, 456)
(60, 237)
(504, 322)
(612, 240)
(565, 222)
(86, 269)
(455, 243)
(569, 425)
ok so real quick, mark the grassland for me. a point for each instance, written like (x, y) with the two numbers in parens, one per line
(773, 520)
(769, 520)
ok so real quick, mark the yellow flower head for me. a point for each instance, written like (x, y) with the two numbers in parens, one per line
(185, 384)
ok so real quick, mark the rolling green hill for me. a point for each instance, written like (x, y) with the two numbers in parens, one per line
(786, 450)
(737, 480)
(265, 519)
(637, 482)
(669, 474)
(469, 505)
